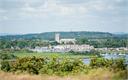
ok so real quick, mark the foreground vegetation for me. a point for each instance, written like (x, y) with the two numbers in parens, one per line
(46, 65)
(27, 65)
(94, 74)
(55, 66)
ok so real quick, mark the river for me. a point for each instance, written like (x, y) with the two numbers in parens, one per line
(109, 56)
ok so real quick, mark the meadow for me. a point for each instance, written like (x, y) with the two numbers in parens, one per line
(46, 54)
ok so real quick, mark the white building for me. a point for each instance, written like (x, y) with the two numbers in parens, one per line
(57, 37)
(64, 41)
(64, 48)
(67, 48)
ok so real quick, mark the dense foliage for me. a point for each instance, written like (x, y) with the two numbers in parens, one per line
(59, 66)
(99, 43)
(112, 64)
(6, 56)
(44, 66)
(19, 44)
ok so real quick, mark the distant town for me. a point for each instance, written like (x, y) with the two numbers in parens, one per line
(66, 42)
(69, 44)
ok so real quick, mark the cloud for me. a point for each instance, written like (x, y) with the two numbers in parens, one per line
(3, 18)
(2, 11)
(51, 7)
(39, 15)
(70, 7)
(67, 8)
(70, 2)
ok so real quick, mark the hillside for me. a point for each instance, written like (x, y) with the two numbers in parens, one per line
(77, 34)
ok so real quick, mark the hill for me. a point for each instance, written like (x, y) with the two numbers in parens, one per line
(76, 34)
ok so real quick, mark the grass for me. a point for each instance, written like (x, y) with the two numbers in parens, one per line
(94, 74)
(43, 54)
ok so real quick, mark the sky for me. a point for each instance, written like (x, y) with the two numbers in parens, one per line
(36, 16)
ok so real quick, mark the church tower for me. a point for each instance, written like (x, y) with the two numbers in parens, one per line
(57, 37)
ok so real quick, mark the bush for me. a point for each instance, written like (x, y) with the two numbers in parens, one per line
(5, 56)
(45, 66)
(5, 66)
(113, 64)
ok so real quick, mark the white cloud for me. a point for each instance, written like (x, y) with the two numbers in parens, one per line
(61, 13)
(57, 9)
(30, 11)
(3, 18)
(43, 8)
(52, 7)
(119, 0)
(28, 8)
(2, 11)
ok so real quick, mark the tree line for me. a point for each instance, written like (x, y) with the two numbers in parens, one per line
(97, 43)
(100, 43)
(22, 44)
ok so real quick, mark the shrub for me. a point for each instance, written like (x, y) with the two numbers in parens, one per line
(45, 66)
(5, 66)
(5, 56)
(113, 64)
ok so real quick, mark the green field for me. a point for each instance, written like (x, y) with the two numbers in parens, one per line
(43, 54)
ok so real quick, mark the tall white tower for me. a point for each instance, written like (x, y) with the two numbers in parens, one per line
(57, 37)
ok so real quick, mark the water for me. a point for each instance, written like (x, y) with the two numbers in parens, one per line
(126, 58)
(109, 56)
(86, 61)
(113, 56)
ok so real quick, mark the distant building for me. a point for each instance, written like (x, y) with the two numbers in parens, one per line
(68, 41)
(67, 48)
(64, 48)
(64, 41)
(57, 37)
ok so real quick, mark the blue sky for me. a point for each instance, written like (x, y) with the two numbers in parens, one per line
(35, 16)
